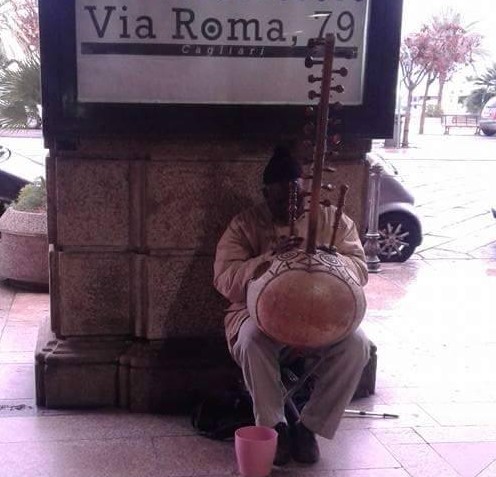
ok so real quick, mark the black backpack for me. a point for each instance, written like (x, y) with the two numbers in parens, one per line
(218, 416)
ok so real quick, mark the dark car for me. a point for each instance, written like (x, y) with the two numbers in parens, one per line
(399, 227)
(487, 121)
(10, 184)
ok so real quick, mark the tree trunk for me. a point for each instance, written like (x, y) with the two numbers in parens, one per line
(424, 104)
(442, 81)
(406, 129)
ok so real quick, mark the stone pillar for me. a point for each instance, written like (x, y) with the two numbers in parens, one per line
(133, 224)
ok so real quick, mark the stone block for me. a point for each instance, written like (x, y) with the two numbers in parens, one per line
(77, 373)
(95, 294)
(92, 202)
(188, 205)
(181, 300)
(174, 375)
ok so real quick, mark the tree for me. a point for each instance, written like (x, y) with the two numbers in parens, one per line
(457, 44)
(20, 94)
(444, 46)
(20, 89)
(413, 73)
(478, 97)
(24, 24)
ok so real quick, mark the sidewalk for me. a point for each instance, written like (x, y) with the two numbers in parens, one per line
(433, 323)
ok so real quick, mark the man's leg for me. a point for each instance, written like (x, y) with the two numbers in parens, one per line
(258, 357)
(338, 376)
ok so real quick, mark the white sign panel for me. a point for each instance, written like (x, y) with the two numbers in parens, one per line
(213, 51)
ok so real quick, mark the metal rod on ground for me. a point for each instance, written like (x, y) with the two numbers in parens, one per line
(384, 415)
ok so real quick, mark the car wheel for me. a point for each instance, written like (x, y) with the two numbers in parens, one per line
(399, 234)
(488, 132)
(5, 153)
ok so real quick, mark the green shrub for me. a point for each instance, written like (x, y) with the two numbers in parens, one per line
(433, 111)
(32, 197)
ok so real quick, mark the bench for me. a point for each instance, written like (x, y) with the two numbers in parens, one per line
(460, 121)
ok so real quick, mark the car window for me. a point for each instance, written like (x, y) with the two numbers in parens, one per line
(489, 108)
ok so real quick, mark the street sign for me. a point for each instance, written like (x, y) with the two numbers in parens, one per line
(224, 67)
(201, 52)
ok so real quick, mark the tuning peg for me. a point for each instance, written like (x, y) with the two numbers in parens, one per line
(325, 203)
(313, 42)
(348, 53)
(313, 94)
(307, 144)
(328, 187)
(336, 139)
(339, 88)
(342, 72)
(329, 169)
(310, 61)
(314, 79)
(335, 121)
(309, 111)
(309, 129)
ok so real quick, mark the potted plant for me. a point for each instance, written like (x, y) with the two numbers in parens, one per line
(23, 238)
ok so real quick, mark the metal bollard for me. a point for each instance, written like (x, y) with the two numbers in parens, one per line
(371, 246)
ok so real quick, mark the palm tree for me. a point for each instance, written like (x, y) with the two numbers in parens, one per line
(20, 94)
(487, 89)
(20, 90)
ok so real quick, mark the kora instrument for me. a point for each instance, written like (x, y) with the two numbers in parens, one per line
(311, 298)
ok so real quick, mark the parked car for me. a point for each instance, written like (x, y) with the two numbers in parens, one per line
(399, 227)
(487, 121)
(10, 184)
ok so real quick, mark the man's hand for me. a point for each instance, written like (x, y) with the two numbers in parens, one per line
(285, 244)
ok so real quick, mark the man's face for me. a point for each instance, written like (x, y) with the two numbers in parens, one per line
(277, 197)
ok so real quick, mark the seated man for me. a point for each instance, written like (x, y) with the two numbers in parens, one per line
(251, 240)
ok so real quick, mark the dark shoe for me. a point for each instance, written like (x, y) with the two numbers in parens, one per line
(283, 453)
(304, 447)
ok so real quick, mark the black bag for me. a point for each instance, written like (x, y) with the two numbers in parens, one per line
(218, 416)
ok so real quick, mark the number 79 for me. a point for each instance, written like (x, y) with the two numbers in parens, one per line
(345, 23)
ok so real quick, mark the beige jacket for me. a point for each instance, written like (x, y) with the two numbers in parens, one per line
(248, 242)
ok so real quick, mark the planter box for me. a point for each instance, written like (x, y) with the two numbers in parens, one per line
(24, 248)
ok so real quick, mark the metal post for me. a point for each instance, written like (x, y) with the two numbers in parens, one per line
(371, 246)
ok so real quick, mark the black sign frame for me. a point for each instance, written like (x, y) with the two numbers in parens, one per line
(64, 117)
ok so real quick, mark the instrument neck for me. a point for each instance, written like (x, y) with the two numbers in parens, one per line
(320, 145)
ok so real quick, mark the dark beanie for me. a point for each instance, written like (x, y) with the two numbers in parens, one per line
(282, 167)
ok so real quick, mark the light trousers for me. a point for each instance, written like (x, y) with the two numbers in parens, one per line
(337, 378)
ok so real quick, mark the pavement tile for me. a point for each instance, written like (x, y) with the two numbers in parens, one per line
(95, 458)
(489, 471)
(371, 473)
(421, 460)
(16, 381)
(393, 436)
(88, 425)
(194, 455)
(19, 338)
(457, 434)
(468, 458)
(17, 357)
(462, 414)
